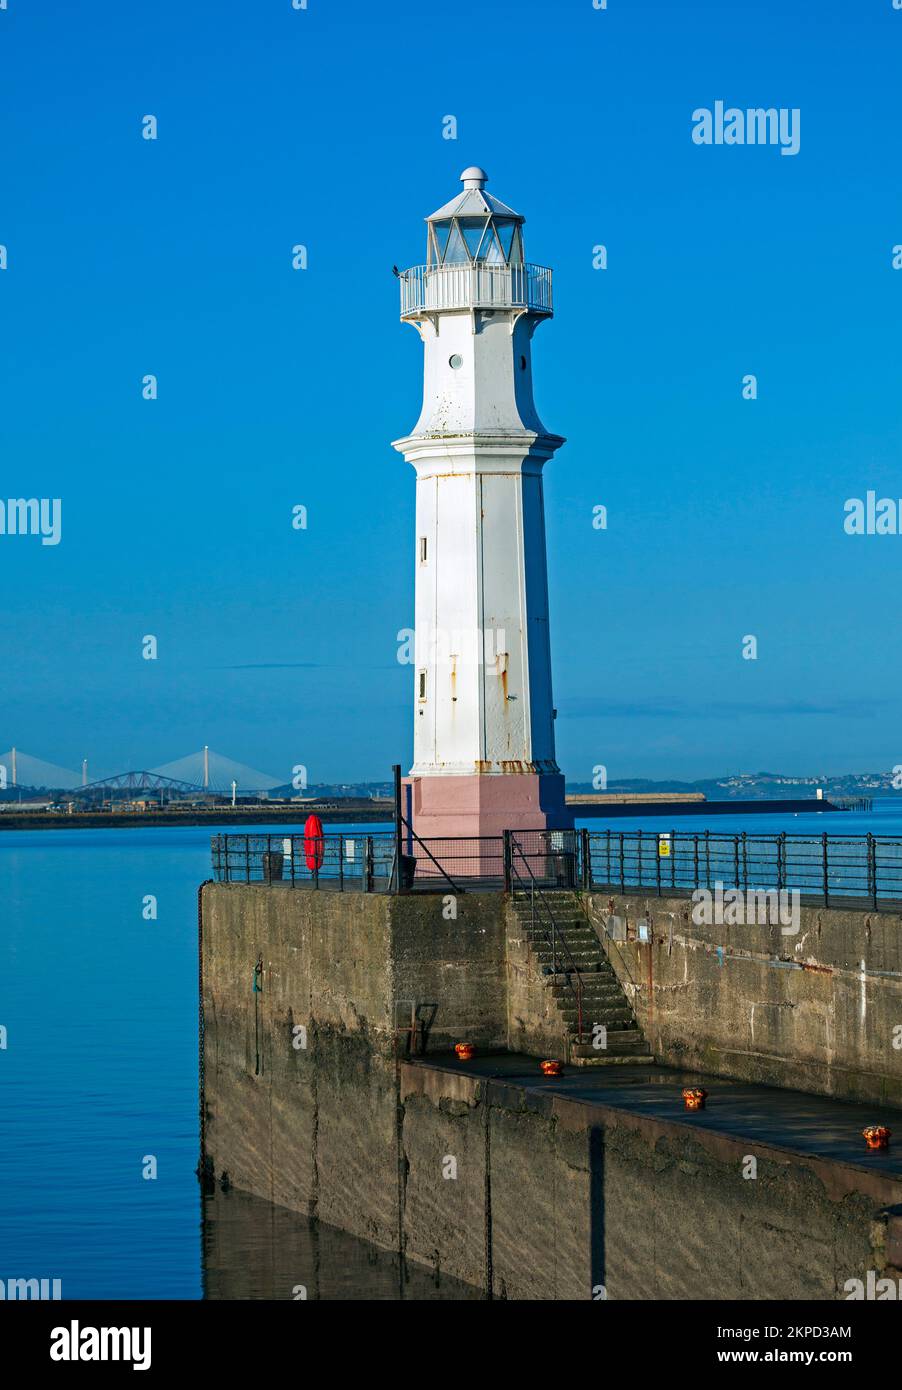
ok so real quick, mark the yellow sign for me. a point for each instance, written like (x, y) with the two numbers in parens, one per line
(664, 846)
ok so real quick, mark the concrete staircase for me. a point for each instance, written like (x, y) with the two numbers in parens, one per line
(603, 999)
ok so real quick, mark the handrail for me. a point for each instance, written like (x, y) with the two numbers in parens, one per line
(473, 285)
(441, 868)
(534, 887)
(819, 866)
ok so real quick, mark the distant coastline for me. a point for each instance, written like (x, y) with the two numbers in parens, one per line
(754, 786)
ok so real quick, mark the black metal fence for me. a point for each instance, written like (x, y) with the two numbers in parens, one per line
(355, 863)
(828, 868)
(825, 868)
(367, 863)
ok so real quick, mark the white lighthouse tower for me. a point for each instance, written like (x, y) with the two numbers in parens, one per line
(483, 712)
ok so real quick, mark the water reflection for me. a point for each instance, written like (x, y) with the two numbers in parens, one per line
(252, 1249)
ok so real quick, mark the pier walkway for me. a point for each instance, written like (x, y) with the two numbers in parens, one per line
(793, 1122)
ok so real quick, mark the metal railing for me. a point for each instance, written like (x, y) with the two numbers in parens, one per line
(348, 863)
(830, 869)
(433, 288)
(367, 863)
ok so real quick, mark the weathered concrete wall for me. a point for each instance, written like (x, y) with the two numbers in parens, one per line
(512, 1214)
(309, 1119)
(454, 961)
(814, 1011)
(556, 1199)
(551, 1196)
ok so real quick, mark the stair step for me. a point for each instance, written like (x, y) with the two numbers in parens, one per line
(565, 946)
(601, 993)
(606, 1018)
(592, 981)
(575, 919)
(589, 950)
(625, 1037)
(583, 969)
(576, 953)
(586, 942)
(520, 895)
(568, 908)
(591, 977)
(563, 923)
(626, 1059)
(633, 1050)
(631, 1041)
(618, 1027)
(594, 1003)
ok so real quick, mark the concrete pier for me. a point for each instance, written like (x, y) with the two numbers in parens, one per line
(598, 1183)
(602, 1179)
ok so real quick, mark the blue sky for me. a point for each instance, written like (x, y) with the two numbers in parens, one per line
(278, 387)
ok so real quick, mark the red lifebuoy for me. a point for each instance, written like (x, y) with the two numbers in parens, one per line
(314, 844)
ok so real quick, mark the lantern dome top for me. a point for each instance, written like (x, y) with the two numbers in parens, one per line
(474, 201)
(474, 227)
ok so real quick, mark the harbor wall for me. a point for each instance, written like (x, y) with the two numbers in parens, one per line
(816, 1010)
(300, 1058)
(560, 1198)
(311, 1100)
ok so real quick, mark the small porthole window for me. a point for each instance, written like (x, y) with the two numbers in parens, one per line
(455, 361)
(421, 683)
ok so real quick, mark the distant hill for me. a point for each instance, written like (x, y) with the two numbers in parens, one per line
(757, 786)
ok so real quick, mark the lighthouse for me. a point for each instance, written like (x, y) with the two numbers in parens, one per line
(484, 759)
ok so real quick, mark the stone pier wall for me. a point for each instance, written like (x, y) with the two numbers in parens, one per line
(311, 1102)
(301, 1072)
(819, 1010)
(561, 1199)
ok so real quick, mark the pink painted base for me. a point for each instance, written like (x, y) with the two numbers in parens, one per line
(450, 807)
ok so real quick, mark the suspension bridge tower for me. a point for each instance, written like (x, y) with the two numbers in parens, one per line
(484, 757)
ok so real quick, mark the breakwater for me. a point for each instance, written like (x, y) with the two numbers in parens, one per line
(620, 806)
(329, 1087)
(214, 816)
(381, 812)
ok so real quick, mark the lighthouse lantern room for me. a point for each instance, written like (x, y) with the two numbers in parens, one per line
(484, 757)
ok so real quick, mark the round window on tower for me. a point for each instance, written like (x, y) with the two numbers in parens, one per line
(455, 361)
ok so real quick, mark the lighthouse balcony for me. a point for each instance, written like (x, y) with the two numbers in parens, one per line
(429, 289)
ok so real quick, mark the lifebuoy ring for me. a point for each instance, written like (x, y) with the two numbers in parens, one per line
(314, 844)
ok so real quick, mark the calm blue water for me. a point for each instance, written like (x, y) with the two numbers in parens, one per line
(100, 1069)
(100, 1065)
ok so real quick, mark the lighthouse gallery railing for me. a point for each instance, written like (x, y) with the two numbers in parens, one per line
(428, 288)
